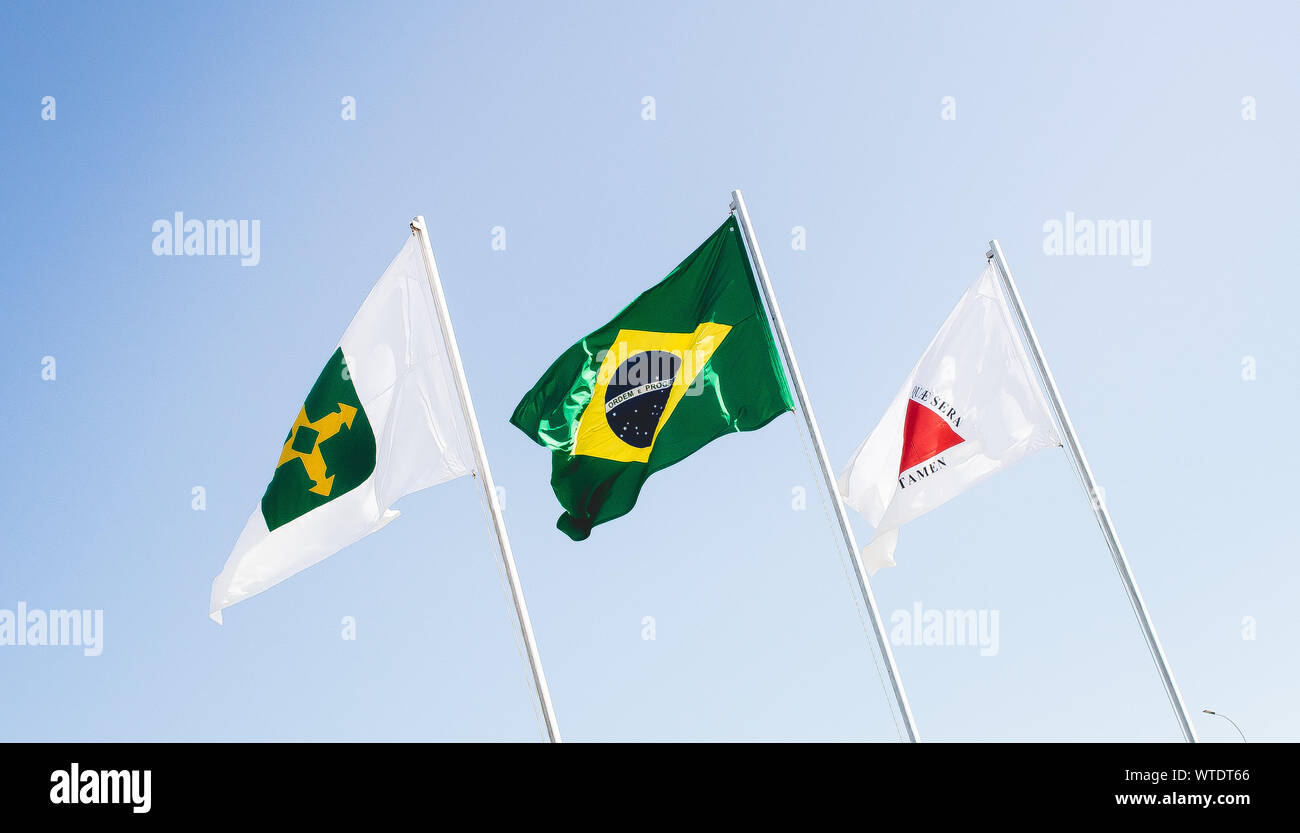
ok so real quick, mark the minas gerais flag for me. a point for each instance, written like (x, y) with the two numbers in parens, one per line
(382, 420)
(971, 407)
(981, 399)
(691, 359)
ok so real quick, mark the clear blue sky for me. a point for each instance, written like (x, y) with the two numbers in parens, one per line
(176, 372)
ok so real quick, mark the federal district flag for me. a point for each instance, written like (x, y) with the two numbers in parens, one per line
(970, 407)
(691, 359)
(382, 420)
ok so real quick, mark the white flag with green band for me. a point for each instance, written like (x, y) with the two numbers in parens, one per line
(382, 420)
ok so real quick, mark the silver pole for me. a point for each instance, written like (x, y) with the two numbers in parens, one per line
(489, 487)
(805, 407)
(1090, 488)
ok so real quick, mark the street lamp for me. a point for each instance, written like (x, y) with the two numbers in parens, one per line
(1230, 720)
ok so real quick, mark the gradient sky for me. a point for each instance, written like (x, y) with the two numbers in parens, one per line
(176, 372)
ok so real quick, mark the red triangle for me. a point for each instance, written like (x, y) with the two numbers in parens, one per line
(925, 434)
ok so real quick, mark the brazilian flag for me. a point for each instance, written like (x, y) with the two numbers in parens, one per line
(691, 359)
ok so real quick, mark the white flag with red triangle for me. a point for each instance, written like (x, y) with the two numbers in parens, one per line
(971, 406)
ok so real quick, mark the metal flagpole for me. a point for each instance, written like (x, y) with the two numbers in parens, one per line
(805, 407)
(489, 487)
(1090, 488)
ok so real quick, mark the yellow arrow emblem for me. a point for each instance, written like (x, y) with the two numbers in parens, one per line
(313, 461)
